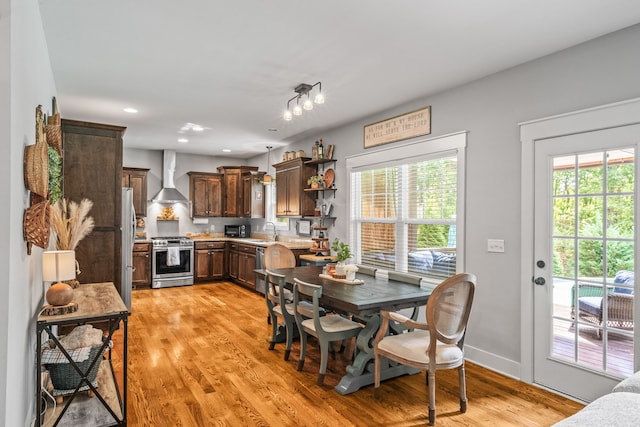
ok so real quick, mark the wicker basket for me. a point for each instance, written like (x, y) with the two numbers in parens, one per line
(36, 224)
(36, 168)
(65, 377)
(54, 136)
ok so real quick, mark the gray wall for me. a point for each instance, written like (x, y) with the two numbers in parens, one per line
(26, 80)
(598, 72)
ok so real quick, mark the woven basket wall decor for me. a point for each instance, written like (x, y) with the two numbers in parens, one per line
(36, 160)
(37, 223)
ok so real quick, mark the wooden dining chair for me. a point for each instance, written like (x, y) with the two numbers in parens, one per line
(279, 256)
(279, 307)
(415, 311)
(404, 277)
(326, 329)
(365, 269)
(435, 345)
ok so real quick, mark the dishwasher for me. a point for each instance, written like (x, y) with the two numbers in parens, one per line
(260, 284)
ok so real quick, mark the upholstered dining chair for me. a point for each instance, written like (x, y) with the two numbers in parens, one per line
(435, 345)
(278, 256)
(326, 329)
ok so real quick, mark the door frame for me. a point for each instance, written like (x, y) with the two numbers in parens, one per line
(592, 119)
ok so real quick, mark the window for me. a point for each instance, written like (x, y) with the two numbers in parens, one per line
(281, 223)
(405, 213)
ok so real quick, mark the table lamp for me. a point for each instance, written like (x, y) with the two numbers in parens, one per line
(58, 266)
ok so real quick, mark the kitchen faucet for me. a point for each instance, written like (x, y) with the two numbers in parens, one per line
(275, 232)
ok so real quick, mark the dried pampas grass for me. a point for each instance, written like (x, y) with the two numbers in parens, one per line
(70, 223)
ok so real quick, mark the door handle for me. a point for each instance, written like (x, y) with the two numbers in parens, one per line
(539, 281)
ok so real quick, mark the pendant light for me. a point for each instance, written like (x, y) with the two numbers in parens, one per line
(268, 179)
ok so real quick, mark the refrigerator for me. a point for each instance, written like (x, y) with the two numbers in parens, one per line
(128, 235)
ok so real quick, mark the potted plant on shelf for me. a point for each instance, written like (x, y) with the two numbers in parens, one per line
(343, 253)
(315, 181)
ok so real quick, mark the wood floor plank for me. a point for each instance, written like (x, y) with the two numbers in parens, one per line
(198, 356)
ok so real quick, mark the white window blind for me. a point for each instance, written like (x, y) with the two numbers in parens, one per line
(404, 214)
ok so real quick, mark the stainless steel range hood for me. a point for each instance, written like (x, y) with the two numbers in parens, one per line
(169, 193)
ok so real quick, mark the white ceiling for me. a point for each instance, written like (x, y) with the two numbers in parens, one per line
(231, 66)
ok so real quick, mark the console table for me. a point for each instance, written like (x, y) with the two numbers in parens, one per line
(97, 303)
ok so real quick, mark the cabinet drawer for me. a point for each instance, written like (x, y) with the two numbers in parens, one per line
(141, 247)
(247, 249)
(209, 245)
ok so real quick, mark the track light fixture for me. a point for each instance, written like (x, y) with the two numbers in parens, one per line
(301, 90)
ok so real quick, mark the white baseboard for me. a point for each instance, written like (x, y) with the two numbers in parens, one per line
(492, 361)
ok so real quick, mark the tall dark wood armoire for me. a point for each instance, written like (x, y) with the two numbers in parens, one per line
(92, 169)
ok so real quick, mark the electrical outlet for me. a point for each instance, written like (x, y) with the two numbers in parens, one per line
(495, 245)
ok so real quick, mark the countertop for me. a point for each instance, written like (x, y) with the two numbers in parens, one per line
(255, 241)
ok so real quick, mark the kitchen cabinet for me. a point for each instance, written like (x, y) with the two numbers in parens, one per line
(136, 178)
(209, 262)
(206, 194)
(291, 180)
(92, 169)
(141, 276)
(242, 262)
(233, 196)
(253, 194)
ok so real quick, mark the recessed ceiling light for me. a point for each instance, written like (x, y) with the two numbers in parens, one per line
(130, 110)
(191, 126)
(183, 140)
(226, 150)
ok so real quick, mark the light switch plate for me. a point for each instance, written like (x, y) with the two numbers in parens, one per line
(495, 245)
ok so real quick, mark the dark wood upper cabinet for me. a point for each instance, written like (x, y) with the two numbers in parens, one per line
(206, 194)
(92, 169)
(233, 204)
(291, 180)
(136, 178)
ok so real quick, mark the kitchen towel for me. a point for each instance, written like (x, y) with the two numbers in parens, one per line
(173, 256)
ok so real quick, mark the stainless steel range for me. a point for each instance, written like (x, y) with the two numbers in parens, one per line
(172, 262)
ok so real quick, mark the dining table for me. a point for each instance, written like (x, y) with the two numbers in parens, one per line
(362, 302)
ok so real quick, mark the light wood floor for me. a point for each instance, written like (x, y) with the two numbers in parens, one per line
(198, 356)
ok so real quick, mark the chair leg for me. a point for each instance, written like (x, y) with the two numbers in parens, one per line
(432, 397)
(289, 326)
(274, 332)
(303, 349)
(324, 355)
(463, 389)
(376, 376)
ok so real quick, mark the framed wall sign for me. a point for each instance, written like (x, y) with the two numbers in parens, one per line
(304, 227)
(405, 126)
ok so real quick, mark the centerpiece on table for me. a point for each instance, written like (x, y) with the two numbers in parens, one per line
(343, 253)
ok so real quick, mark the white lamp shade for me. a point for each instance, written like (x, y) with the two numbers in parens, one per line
(58, 265)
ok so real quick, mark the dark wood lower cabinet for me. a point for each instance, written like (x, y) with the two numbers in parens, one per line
(141, 276)
(209, 261)
(242, 262)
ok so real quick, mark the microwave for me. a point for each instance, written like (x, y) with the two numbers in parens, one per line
(237, 230)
